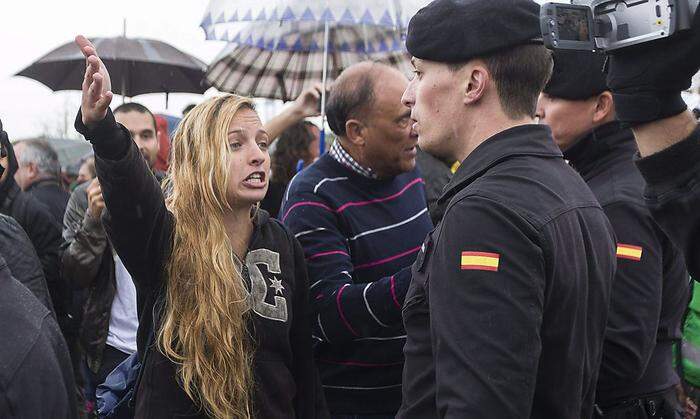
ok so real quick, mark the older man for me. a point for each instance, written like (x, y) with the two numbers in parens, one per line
(39, 173)
(360, 214)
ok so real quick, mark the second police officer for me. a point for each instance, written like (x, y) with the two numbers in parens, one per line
(637, 378)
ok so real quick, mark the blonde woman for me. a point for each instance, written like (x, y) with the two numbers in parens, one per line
(221, 287)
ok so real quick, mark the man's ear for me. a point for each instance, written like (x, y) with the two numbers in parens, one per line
(355, 131)
(478, 81)
(32, 170)
(604, 107)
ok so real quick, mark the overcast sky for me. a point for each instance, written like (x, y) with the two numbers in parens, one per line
(29, 29)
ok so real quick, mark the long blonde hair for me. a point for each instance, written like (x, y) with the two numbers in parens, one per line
(204, 324)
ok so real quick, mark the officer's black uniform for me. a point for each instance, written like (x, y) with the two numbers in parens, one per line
(506, 312)
(651, 286)
(650, 291)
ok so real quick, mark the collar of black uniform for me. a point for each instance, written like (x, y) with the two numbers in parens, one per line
(607, 140)
(523, 140)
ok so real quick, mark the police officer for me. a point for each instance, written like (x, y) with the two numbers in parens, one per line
(650, 290)
(505, 314)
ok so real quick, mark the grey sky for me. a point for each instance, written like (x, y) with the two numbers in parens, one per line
(30, 29)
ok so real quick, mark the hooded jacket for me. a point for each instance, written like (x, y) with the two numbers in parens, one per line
(141, 228)
(36, 377)
(43, 231)
(22, 259)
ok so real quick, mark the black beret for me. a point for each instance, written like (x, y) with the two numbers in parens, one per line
(455, 31)
(577, 75)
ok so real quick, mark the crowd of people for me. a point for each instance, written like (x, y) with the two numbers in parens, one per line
(511, 233)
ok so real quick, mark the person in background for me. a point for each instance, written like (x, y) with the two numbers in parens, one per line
(650, 290)
(110, 320)
(295, 144)
(314, 146)
(87, 170)
(163, 154)
(360, 214)
(39, 224)
(35, 367)
(39, 173)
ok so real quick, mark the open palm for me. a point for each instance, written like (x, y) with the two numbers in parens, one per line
(97, 94)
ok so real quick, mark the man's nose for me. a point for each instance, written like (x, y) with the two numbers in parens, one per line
(408, 97)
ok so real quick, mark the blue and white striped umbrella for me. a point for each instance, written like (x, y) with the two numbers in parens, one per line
(315, 31)
(223, 18)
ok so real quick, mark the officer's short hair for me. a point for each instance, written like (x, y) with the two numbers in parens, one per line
(520, 74)
(136, 107)
(349, 98)
(41, 154)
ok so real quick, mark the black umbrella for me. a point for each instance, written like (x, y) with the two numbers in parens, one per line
(136, 66)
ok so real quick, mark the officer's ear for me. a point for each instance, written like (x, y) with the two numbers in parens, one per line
(604, 108)
(478, 80)
(355, 132)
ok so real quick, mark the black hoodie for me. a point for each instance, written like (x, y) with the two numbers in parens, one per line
(140, 227)
(40, 226)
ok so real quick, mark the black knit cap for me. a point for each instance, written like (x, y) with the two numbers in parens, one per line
(455, 31)
(577, 75)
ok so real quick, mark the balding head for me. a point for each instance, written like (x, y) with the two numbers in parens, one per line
(364, 109)
(354, 93)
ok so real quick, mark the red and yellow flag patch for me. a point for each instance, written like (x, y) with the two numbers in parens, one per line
(480, 261)
(628, 251)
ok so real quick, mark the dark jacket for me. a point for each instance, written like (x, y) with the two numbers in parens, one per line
(43, 231)
(650, 291)
(88, 263)
(141, 229)
(673, 195)
(437, 175)
(36, 377)
(50, 193)
(22, 259)
(506, 312)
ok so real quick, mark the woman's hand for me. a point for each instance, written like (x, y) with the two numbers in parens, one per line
(97, 94)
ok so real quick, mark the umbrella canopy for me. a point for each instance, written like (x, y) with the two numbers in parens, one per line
(285, 73)
(223, 15)
(136, 66)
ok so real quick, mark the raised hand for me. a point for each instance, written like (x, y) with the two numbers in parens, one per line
(97, 94)
(309, 101)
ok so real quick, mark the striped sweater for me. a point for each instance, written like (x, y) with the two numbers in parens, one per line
(360, 237)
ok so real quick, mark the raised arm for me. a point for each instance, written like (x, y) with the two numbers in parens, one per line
(307, 104)
(137, 221)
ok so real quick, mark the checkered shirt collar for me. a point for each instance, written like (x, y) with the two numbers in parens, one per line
(343, 157)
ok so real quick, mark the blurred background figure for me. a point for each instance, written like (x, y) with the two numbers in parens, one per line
(39, 173)
(299, 142)
(87, 170)
(35, 368)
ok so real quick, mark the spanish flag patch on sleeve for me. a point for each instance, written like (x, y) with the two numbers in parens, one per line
(480, 261)
(628, 251)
